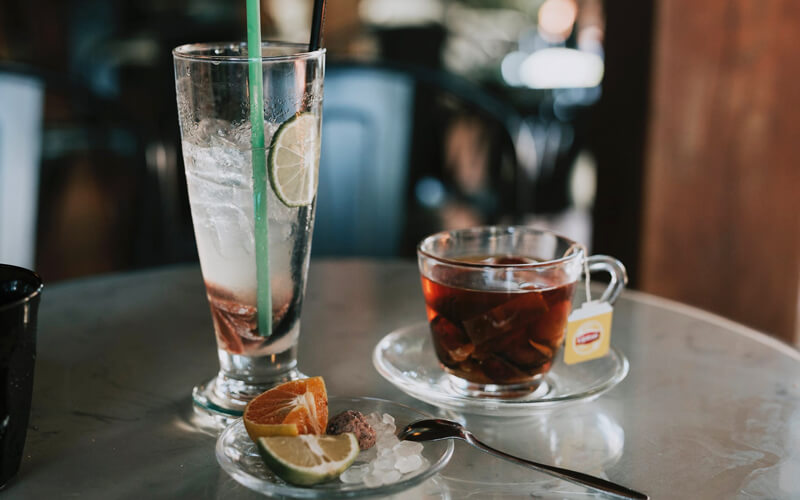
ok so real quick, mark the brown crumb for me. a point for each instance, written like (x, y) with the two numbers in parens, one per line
(353, 421)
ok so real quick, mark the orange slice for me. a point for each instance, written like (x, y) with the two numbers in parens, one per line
(292, 408)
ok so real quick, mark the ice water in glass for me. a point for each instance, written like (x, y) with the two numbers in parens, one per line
(212, 84)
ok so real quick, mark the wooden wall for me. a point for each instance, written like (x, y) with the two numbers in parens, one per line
(721, 195)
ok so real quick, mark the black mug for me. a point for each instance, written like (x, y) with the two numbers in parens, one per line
(20, 290)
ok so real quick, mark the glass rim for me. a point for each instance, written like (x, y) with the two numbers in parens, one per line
(189, 51)
(34, 278)
(574, 250)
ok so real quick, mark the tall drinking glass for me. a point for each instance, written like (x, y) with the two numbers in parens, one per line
(223, 175)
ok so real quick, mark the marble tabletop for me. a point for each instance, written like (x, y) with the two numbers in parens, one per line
(710, 409)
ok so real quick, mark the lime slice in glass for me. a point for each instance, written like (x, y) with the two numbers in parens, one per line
(308, 458)
(294, 160)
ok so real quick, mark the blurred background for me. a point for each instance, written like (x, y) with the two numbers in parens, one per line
(659, 132)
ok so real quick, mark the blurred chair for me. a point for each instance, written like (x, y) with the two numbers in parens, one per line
(74, 196)
(409, 150)
(21, 108)
(364, 161)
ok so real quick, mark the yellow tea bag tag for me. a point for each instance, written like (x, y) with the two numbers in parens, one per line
(588, 332)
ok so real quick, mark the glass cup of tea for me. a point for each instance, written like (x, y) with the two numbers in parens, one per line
(498, 299)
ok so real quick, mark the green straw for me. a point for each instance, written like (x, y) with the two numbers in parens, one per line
(264, 294)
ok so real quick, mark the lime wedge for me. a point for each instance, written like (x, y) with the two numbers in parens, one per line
(294, 160)
(308, 458)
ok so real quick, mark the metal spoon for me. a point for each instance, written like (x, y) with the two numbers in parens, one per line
(438, 429)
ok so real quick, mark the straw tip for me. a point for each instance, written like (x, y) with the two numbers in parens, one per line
(317, 25)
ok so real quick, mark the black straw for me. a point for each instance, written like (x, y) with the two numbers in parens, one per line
(317, 23)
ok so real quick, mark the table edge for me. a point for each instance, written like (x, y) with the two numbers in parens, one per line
(713, 318)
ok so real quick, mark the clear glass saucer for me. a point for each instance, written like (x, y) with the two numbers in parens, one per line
(406, 358)
(237, 455)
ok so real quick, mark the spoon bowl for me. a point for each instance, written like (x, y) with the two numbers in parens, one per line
(434, 429)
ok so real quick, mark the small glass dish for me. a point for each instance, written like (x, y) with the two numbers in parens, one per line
(238, 456)
(406, 358)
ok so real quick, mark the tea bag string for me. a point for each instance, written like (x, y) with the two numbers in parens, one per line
(588, 279)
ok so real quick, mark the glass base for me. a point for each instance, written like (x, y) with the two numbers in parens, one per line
(535, 388)
(241, 378)
(223, 398)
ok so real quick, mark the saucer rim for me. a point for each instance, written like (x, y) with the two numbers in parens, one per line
(484, 406)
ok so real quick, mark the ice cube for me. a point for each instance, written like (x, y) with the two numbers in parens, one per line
(373, 479)
(373, 419)
(386, 441)
(388, 420)
(233, 230)
(354, 474)
(408, 463)
(407, 448)
(220, 167)
(384, 463)
(220, 192)
(277, 210)
(369, 455)
(391, 476)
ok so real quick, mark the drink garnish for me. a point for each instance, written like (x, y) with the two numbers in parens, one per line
(289, 409)
(294, 160)
(308, 459)
(294, 446)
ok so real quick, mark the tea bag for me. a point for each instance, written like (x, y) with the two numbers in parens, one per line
(588, 327)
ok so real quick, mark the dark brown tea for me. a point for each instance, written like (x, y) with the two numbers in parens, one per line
(490, 336)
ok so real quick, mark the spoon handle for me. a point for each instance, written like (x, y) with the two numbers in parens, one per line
(565, 474)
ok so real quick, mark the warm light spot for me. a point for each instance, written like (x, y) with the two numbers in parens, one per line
(556, 19)
(561, 68)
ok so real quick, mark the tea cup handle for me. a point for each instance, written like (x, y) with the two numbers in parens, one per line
(619, 276)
